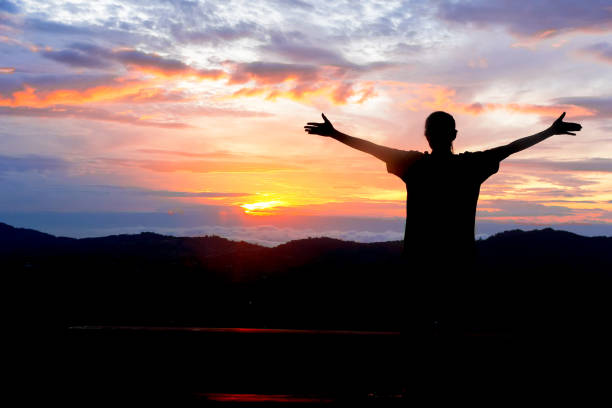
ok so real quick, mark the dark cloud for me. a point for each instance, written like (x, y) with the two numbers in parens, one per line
(541, 18)
(602, 51)
(141, 59)
(596, 164)
(601, 105)
(93, 56)
(8, 7)
(52, 27)
(272, 72)
(516, 208)
(109, 189)
(31, 163)
(76, 58)
(59, 111)
(50, 82)
(295, 50)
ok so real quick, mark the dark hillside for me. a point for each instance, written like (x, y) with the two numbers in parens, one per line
(537, 281)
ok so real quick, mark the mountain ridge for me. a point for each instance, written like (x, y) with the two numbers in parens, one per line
(542, 280)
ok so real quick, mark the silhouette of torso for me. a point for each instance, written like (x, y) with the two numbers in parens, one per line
(442, 193)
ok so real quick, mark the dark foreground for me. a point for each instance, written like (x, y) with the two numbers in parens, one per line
(263, 367)
(531, 322)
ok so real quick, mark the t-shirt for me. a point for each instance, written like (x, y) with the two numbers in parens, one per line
(442, 193)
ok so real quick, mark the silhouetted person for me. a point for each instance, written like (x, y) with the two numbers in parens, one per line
(442, 193)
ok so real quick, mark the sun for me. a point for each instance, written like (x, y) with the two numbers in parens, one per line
(261, 207)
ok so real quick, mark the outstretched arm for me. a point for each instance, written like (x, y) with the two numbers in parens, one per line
(327, 129)
(557, 128)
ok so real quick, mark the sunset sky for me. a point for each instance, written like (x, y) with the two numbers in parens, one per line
(186, 117)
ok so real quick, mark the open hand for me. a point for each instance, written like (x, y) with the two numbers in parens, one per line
(564, 128)
(323, 129)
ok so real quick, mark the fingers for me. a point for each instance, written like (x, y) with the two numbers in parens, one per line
(325, 118)
(310, 129)
(574, 126)
(561, 117)
(570, 133)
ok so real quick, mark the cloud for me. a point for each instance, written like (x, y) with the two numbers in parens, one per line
(200, 166)
(272, 72)
(215, 155)
(536, 19)
(205, 222)
(7, 70)
(200, 110)
(601, 106)
(270, 235)
(60, 111)
(92, 56)
(296, 3)
(8, 7)
(303, 82)
(438, 97)
(117, 90)
(31, 162)
(595, 164)
(201, 194)
(296, 50)
(155, 64)
(76, 58)
(53, 27)
(52, 81)
(38, 98)
(601, 51)
(521, 211)
(300, 82)
(214, 35)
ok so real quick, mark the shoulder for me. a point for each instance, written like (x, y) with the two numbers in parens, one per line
(400, 160)
(398, 155)
(408, 154)
(486, 155)
(484, 163)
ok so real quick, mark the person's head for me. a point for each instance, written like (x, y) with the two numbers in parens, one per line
(440, 131)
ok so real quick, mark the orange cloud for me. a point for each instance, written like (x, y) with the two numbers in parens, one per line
(7, 70)
(338, 93)
(209, 74)
(202, 166)
(64, 111)
(299, 82)
(121, 91)
(438, 97)
(30, 97)
(162, 67)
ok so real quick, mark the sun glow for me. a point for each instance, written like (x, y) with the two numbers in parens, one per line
(262, 207)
